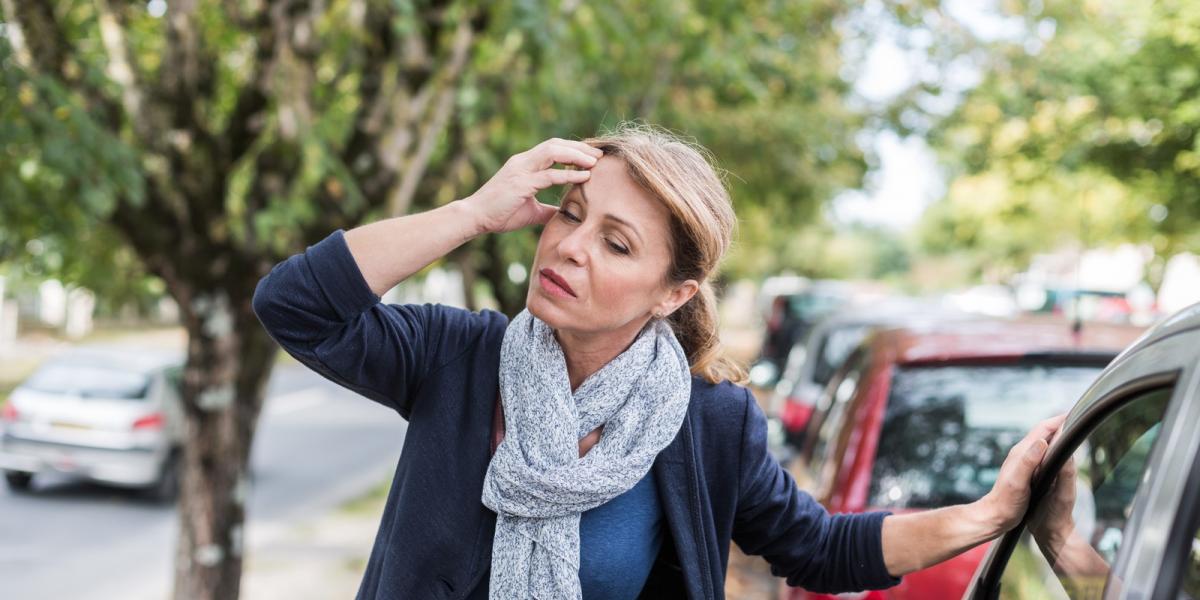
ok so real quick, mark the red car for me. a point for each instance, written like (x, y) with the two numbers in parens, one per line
(922, 417)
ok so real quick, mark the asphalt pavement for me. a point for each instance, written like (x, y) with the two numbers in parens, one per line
(317, 446)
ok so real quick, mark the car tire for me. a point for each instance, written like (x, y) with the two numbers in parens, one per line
(18, 481)
(166, 489)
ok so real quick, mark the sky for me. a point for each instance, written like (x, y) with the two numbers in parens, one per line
(906, 178)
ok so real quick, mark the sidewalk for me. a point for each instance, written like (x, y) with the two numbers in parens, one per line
(322, 557)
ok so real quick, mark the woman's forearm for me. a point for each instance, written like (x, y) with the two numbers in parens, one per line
(918, 540)
(391, 250)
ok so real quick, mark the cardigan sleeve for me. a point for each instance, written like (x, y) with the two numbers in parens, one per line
(318, 306)
(798, 537)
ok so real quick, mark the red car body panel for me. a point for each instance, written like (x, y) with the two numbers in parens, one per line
(795, 415)
(844, 481)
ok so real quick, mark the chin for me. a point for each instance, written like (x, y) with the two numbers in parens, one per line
(537, 306)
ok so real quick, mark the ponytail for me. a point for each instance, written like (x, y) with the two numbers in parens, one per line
(696, 326)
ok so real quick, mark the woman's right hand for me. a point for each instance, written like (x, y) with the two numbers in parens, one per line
(508, 200)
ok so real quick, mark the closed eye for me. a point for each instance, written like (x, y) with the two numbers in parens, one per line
(568, 216)
(618, 248)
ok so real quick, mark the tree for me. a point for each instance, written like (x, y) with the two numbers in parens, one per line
(1083, 128)
(216, 139)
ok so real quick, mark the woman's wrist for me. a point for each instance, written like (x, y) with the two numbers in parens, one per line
(469, 217)
(989, 517)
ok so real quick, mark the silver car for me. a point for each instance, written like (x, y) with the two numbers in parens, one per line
(1123, 520)
(108, 415)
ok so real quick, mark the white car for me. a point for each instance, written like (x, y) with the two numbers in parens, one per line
(108, 415)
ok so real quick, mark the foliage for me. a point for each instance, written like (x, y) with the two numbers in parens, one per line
(1083, 128)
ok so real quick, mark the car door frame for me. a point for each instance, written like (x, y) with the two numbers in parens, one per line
(1182, 534)
(1151, 364)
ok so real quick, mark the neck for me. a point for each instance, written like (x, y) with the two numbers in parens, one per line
(587, 353)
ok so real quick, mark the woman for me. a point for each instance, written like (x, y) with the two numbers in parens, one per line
(597, 445)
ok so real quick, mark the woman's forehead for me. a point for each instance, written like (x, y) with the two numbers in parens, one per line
(612, 191)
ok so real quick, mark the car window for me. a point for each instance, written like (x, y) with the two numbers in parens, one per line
(833, 404)
(1189, 587)
(1066, 552)
(174, 377)
(88, 381)
(834, 349)
(948, 428)
(811, 305)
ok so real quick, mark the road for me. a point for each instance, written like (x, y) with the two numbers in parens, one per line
(317, 446)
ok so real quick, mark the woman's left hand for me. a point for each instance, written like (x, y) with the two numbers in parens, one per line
(1007, 501)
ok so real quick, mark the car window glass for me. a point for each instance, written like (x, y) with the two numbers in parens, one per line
(836, 346)
(88, 381)
(1189, 588)
(810, 306)
(833, 404)
(1068, 547)
(174, 377)
(948, 428)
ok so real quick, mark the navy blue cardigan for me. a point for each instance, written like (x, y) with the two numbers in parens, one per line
(438, 367)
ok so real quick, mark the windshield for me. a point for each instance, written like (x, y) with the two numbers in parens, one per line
(834, 349)
(947, 429)
(88, 381)
(811, 305)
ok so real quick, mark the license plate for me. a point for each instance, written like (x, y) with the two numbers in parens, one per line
(67, 425)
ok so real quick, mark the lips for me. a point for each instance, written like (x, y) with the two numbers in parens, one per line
(558, 280)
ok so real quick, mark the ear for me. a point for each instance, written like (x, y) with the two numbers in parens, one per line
(678, 296)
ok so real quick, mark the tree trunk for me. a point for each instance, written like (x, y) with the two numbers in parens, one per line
(228, 364)
(464, 258)
(509, 296)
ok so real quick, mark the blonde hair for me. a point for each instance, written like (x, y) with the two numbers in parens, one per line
(681, 176)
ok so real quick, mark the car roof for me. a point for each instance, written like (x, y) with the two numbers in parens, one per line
(998, 339)
(889, 312)
(129, 358)
(1184, 320)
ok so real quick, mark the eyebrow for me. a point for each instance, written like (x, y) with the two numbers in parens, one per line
(612, 217)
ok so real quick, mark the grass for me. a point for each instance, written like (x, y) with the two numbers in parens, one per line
(370, 503)
(13, 373)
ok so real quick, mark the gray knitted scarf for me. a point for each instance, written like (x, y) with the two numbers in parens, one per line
(536, 483)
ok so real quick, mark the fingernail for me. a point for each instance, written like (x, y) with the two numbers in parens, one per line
(1037, 449)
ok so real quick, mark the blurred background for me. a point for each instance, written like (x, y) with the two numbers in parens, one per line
(893, 164)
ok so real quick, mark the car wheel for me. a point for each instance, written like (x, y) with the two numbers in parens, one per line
(19, 481)
(166, 489)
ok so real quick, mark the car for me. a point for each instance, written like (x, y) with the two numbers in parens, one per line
(922, 416)
(789, 319)
(109, 415)
(812, 362)
(1127, 523)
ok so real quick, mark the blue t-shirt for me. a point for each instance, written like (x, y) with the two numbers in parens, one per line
(618, 542)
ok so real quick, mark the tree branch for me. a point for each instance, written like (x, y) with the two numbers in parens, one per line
(121, 70)
(248, 119)
(435, 124)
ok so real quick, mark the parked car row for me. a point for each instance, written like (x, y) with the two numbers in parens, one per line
(909, 410)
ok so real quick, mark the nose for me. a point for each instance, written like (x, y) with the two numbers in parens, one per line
(573, 247)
